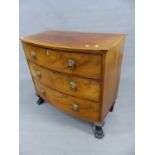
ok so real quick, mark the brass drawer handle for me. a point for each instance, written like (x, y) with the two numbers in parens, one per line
(75, 107)
(73, 85)
(43, 92)
(71, 64)
(33, 55)
(38, 74)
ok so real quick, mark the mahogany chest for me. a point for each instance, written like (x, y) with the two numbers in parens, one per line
(76, 72)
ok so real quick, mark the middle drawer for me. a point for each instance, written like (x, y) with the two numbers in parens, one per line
(76, 86)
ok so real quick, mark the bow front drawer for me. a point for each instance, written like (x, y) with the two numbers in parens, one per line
(75, 106)
(85, 65)
(76, 86)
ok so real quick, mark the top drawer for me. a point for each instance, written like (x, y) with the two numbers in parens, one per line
(86, 65)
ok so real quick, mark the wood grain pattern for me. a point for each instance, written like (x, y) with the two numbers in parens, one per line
(87, 65)
(98, 60)
(87, 110)
(77, 41)
(111, 75)
(86, 88)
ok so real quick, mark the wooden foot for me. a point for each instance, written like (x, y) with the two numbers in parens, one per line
(40, 101)
(112, 107)
(98, 132)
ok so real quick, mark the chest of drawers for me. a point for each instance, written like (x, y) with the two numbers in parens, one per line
(76, 72)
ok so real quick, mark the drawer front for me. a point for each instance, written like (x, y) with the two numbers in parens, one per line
(75, 106)
(80, 87)
(86, 65)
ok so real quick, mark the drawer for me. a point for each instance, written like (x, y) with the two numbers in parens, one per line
(75, 106)
(85, 65)
(76, 86)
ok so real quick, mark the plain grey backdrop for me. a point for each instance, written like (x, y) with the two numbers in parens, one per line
(44, 130)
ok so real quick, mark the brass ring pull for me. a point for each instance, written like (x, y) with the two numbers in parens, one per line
(33, 55)
(71, 64)
(75, 107)
(73, 85)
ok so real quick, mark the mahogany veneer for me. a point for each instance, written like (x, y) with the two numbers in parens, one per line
(76, 72)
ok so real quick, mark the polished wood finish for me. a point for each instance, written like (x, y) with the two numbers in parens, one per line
(87, 65)
(87, 110)
(77, 41)
(77, 72)
(110, 76)
(85, 88)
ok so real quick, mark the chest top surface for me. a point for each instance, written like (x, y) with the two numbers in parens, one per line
(79, 41)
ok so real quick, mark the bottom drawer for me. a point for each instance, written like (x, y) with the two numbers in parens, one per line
(82, 108)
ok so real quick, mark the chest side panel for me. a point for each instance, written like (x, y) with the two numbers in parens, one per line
(110, 77)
